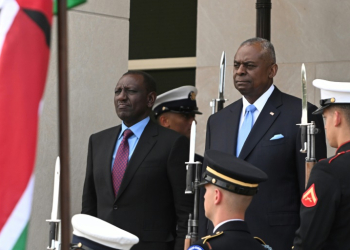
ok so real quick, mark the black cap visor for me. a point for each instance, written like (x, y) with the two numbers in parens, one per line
(229, 186)
(178, 110)
(319, 111)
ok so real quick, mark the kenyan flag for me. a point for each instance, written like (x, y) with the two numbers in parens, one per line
(24, 55)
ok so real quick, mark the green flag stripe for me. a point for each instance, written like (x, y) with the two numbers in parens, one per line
(22, 240)
(70, 4)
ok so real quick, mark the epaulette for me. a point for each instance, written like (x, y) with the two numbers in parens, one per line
(336, 156)
(208, 237)
(263, 243)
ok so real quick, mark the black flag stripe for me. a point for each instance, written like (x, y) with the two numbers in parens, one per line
(41, 20)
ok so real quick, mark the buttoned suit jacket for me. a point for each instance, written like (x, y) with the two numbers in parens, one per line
(151, 202)
(273, 214)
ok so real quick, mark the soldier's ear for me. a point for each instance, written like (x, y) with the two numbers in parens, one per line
(273, 70)
(337, 118)
(218, 196)
(164, 121)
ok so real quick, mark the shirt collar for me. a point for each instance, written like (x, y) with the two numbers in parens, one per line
(221, 223)
(137, 128)
(260, 103)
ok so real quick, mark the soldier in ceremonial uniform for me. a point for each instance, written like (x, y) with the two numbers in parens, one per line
(176, 109)
(230, 184)
(325, 209)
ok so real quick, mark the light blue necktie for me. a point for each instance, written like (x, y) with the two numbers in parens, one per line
(245, 128)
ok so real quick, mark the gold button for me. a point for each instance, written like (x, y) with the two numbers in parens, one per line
(332, 100)
(213, 180)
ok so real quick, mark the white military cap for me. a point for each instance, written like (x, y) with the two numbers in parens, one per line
(179, 100)
(97, 234)
(332, 93)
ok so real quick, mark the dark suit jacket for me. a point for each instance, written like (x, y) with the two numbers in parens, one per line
(151, 200)
(274, 212)
(235, 236)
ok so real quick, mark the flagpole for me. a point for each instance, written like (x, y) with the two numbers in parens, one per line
(63, 121)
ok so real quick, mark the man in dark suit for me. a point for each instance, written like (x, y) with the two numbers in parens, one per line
(230, 184)
(177, 109)
(138, 183)
(261, 128)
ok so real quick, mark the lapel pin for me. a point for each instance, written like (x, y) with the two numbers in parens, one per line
(272, 113)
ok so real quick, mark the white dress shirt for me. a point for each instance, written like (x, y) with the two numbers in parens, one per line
(259, 104)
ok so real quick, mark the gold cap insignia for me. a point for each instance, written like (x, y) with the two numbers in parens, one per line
(213, 180)
(332, 100)
(192, 96)
(164, 108)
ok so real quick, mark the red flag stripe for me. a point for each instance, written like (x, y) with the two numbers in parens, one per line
(23, 69)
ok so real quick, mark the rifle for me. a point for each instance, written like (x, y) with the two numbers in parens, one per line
(55, 224)
(308, 130)
(192, 182)
(218, 104)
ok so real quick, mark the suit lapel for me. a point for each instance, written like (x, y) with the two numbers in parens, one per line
(266, 118)
(232, 124)
(144, 145)
(111, 140)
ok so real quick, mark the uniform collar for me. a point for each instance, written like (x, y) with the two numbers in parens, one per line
(343, 147)
(224, 222)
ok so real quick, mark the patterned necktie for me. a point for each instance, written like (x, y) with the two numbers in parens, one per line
(121, 161)
(245, 128)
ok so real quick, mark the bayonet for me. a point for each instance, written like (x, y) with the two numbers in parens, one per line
(304, 123)
(190, 163)
(222, 81)
(54, 234)
(192, 182)
(308, 130)
(304, 94)
(218, 104)
(56, 189)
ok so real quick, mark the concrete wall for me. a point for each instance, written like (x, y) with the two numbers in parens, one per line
(311, 32)
(98, 55)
